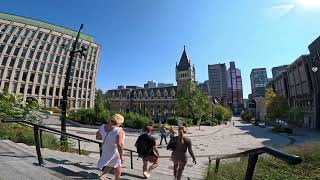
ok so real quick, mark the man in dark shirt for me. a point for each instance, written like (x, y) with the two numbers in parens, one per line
(149, 151)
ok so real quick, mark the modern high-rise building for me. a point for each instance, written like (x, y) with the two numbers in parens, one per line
(259, 81)
(235, 89)
(204, 87)
(150, 84)
(218, 82)
(278, 69)
(33, 62)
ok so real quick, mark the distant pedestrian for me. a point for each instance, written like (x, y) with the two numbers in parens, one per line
(147, 150)
(112, 136)
(233, 123)
(163, 134)
(171, 133)
(179, 146)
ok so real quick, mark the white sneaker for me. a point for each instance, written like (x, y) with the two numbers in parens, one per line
(146, 174)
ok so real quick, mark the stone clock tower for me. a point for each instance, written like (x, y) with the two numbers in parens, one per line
(185, 71)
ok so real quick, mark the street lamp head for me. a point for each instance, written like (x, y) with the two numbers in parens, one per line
(314, 69)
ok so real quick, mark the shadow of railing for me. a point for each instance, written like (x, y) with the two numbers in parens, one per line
(38, 129)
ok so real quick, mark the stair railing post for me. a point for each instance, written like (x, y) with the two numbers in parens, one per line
(131, 159)
(41, 141)
(217, 165)
(37, 141)
(79, 147)
(252, 160)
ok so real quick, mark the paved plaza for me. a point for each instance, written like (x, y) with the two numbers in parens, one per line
(208, 141)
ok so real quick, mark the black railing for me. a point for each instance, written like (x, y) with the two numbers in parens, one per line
(253, 157)
(38, 129)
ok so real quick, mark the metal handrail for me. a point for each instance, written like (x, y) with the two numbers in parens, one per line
(253, 157)
(38, 138)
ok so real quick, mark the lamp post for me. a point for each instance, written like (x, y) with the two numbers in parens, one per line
(73, 52)
(314, 68)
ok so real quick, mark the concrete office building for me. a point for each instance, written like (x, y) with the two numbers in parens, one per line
(150, 84)
(33, 62)
(235, 89)
(218, 82)
(259, 81)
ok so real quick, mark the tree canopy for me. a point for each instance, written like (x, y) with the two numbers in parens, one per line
(192, 102)
(275, 105)
(13, 107)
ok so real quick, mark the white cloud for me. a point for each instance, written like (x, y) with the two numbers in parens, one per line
(279, 11)
(308, 4)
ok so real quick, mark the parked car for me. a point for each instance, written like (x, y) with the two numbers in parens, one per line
(262, 125)
(282, 123)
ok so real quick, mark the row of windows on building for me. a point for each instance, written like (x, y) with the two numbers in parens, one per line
(46, 90)
(73, 103)
(146, 95)
(33, 77)
(36, 45)
(37, 66)
(38, 55)
(38, 35)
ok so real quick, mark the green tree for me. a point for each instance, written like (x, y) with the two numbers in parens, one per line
(192, 102)
(275, 105)
(100, 101)
(12, 107)
(222, 113)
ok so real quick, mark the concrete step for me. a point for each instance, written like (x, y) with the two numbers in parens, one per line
(17, 164)
(76, 166)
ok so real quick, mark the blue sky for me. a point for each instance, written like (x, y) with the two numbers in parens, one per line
(143, 39)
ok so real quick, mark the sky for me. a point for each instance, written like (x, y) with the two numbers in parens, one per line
(142, 40)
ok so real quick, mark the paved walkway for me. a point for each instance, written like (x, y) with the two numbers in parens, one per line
(208, 141)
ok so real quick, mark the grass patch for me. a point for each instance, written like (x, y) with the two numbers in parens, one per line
(24, 134)
(274, 169)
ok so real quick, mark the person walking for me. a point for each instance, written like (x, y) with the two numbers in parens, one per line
(163, 134)
(171, 133)
(112, 136)
(147, 150)
(179, 146)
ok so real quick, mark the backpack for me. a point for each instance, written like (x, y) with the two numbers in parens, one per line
(144, 148)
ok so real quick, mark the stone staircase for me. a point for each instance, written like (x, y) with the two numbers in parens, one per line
(19, 161)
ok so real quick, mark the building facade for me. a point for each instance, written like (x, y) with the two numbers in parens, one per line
(218, 82)
(235, 89)
(161, 85)
(150, 84)
(204, 87)
(156, 103)
(33, 62)
(297, 85)
(278, 69)
(259, 80)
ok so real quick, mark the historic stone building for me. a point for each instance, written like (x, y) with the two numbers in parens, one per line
(156, 103)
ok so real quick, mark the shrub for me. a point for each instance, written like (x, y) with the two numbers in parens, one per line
(207, 123)
(189, 122)
(246, 116)
(282, 130)
(173, 121)
(135, 121)
(55, 110)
